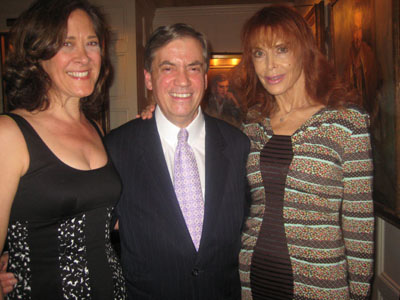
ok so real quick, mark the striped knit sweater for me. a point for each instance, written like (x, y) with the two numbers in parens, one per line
(328, 208)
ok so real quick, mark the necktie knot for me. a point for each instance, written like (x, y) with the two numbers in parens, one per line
(183, 135)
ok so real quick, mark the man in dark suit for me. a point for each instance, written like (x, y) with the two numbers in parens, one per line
(162, 257)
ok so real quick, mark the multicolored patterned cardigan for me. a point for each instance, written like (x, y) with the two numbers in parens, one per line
(328, 209)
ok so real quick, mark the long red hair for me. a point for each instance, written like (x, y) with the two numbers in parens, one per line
(283, 22)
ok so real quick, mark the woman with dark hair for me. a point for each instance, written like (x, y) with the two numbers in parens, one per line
(58, 186)
(309, 233)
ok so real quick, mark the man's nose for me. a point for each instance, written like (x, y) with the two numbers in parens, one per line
(182, 78)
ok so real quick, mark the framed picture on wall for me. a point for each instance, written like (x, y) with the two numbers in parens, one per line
(220, 99)
(365, 38)
(315, 18)
(3, 52)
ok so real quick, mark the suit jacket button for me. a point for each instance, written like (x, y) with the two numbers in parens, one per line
(195, 272)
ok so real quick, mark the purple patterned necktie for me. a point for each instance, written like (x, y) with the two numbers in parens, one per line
(188, 187)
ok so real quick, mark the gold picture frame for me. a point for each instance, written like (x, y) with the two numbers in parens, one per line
(365, 39)
(226, 106)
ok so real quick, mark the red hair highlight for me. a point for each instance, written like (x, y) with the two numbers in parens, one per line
(283, 22)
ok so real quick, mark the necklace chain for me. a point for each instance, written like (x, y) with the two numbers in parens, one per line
(281, 119)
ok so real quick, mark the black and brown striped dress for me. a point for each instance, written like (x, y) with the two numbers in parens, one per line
(271, 271)
(326, 211)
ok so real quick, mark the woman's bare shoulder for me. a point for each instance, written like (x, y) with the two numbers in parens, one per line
(8, 127)
(13, 146)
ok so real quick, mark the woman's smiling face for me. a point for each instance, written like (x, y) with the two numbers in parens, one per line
(75, 68)
(278, 66)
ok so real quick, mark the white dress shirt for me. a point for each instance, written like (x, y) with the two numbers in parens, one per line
(169, 140)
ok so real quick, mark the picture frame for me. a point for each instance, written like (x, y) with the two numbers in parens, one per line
(220, 100)
(365, 41)
(3, 53)
(222, 63)
(315, 18)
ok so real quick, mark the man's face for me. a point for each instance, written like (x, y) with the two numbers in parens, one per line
(178, 80)
(222, 88)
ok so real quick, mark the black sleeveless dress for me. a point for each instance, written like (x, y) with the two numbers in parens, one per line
(59, 229)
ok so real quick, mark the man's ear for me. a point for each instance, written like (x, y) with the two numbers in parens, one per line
(205, 81)
(147, 80)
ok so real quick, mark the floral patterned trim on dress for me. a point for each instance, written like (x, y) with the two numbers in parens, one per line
(117, 277)
(73, 262)
(19, 263)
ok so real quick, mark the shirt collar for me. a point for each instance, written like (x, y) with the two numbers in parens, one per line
(169, 131)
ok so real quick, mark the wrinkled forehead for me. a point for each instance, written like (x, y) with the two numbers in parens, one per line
(186, 49)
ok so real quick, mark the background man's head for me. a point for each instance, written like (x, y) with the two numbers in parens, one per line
(220, 85)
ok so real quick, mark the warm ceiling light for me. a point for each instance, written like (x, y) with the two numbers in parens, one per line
(235, 61)
(224, 61)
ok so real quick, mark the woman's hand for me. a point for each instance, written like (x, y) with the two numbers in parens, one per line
(7, 280)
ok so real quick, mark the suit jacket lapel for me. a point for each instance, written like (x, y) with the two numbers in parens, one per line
(168, 203)
(215, 179)
(155, 161)
(216, 167)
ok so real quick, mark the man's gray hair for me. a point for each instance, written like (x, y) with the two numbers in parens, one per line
(165, 34)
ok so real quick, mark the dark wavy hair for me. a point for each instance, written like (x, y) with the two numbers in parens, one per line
(37, 35)
(283, 22)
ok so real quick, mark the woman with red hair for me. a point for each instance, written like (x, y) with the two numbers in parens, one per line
(309, 233)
